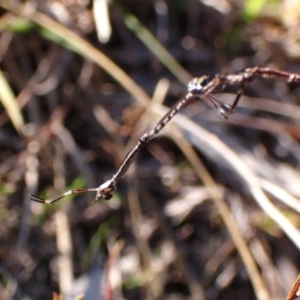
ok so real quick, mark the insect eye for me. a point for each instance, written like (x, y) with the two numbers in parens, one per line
(196, 85)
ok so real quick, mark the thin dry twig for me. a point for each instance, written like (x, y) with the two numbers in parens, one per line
(295, 290)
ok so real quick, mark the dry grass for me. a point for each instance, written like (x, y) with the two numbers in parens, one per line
(210, 208)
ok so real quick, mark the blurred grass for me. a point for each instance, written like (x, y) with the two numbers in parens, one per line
(59, 34)
(151, 42)
(252, 9)
(134, 282)
(16, 24)
(7, 98)
(64, 37)
(97, 239)
(67, 38)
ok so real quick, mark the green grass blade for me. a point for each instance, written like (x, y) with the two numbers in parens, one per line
(154, 45)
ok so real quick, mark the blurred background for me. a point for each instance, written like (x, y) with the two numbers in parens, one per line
(209, 208)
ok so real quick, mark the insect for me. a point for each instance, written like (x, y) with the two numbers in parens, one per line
(202, 88)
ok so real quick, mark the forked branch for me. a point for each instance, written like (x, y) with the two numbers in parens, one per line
(202, 88)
